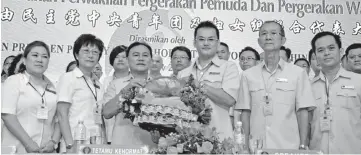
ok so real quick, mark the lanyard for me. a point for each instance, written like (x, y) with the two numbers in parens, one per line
(265, 85)
(205, 70)
(41, 95)
(327, 88)
(94, 94)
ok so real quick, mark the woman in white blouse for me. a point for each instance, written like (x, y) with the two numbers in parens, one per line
(79, 92)
(29, 105)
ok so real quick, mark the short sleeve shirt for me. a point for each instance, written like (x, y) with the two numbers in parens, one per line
(218, 74)
(73, 88)
(19, 98)
(289, 90)
(345, 100)
(124, 132)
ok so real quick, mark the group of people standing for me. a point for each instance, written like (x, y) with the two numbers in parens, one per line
(275, 100)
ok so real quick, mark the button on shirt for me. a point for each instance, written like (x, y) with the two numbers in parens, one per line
(344, 97)
(19, 98)
(218, 74)
(73, 89)
(124, 132)
(289, 90)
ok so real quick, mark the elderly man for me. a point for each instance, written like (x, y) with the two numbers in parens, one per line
(223, 51)
(156, 67)
(218, 78)
(275, 96)
(336, 124)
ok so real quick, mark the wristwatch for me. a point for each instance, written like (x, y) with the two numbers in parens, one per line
(69, 146)
(302, 147)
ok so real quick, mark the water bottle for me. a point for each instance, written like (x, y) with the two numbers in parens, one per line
(239, 138)
(80, 133)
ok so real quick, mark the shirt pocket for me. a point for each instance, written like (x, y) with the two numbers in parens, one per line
(285, 93)
(257, 93)
(213, 80)
(348, 100)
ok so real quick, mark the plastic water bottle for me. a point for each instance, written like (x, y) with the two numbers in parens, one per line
(80, 133)
(239, 138)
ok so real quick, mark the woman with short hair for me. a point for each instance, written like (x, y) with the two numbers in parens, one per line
(79, 92)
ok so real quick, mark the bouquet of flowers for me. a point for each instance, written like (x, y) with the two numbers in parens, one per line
(157, 106)
(196, 139)
(195, 97)
(130, 105)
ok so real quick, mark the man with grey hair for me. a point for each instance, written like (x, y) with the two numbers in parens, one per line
(275, 96)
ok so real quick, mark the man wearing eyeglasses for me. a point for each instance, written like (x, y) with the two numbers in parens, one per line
(275, 96)
(353, 56)
(336, 124)
(248, 58)
(218, 78)
(180, 59)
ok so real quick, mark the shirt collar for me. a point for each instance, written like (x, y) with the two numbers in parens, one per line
(47, 80)
(341, 73)
(113, 77)
(130, 77)
(78, 73)
(215, 60)
(281, 64)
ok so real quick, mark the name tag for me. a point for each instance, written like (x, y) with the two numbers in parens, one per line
(214, 73)
(42, 112)
(281, 80)
(347, 87)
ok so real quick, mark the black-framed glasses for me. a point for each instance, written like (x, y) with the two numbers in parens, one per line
(248, 59)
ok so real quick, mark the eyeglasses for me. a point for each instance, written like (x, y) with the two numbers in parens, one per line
(248, 59)
(92, 52)
(353, 57)
(179, 58)
(272, 34)
(209, 40)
